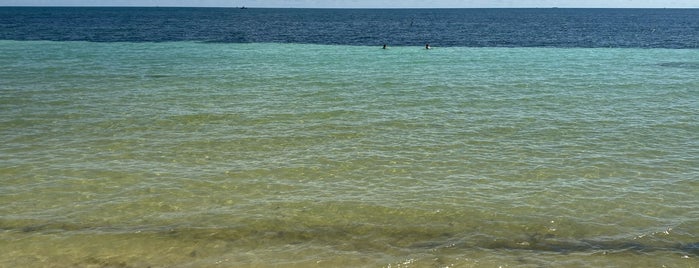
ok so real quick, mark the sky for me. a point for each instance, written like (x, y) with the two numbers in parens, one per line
(367, 3)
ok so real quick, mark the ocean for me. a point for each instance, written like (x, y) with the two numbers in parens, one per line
(185, 137)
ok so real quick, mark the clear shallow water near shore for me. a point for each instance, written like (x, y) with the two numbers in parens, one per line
(190, 154)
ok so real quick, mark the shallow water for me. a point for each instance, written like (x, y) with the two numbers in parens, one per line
(196, 155)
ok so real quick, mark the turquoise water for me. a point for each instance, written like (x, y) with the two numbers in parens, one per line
(286, 155)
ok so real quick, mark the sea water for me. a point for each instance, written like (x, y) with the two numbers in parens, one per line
(191, 154)
(201, 154)
(499, 27)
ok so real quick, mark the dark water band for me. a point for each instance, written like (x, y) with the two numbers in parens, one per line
(372, 238)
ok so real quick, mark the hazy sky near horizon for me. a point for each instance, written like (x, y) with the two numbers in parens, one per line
(366, 3)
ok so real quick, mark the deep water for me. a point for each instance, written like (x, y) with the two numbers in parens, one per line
(620, 28)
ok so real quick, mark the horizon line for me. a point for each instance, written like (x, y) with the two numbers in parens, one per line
(273, 7)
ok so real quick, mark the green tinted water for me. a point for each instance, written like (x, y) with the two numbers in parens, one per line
(198, 155)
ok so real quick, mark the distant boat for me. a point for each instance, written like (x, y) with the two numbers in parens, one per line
(243, 8)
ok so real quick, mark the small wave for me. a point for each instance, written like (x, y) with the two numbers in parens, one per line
(430, 240)
(682, 65)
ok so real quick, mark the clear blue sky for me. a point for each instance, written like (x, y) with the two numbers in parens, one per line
(365, 3)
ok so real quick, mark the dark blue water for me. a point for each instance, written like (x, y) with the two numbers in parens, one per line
(642, 28)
